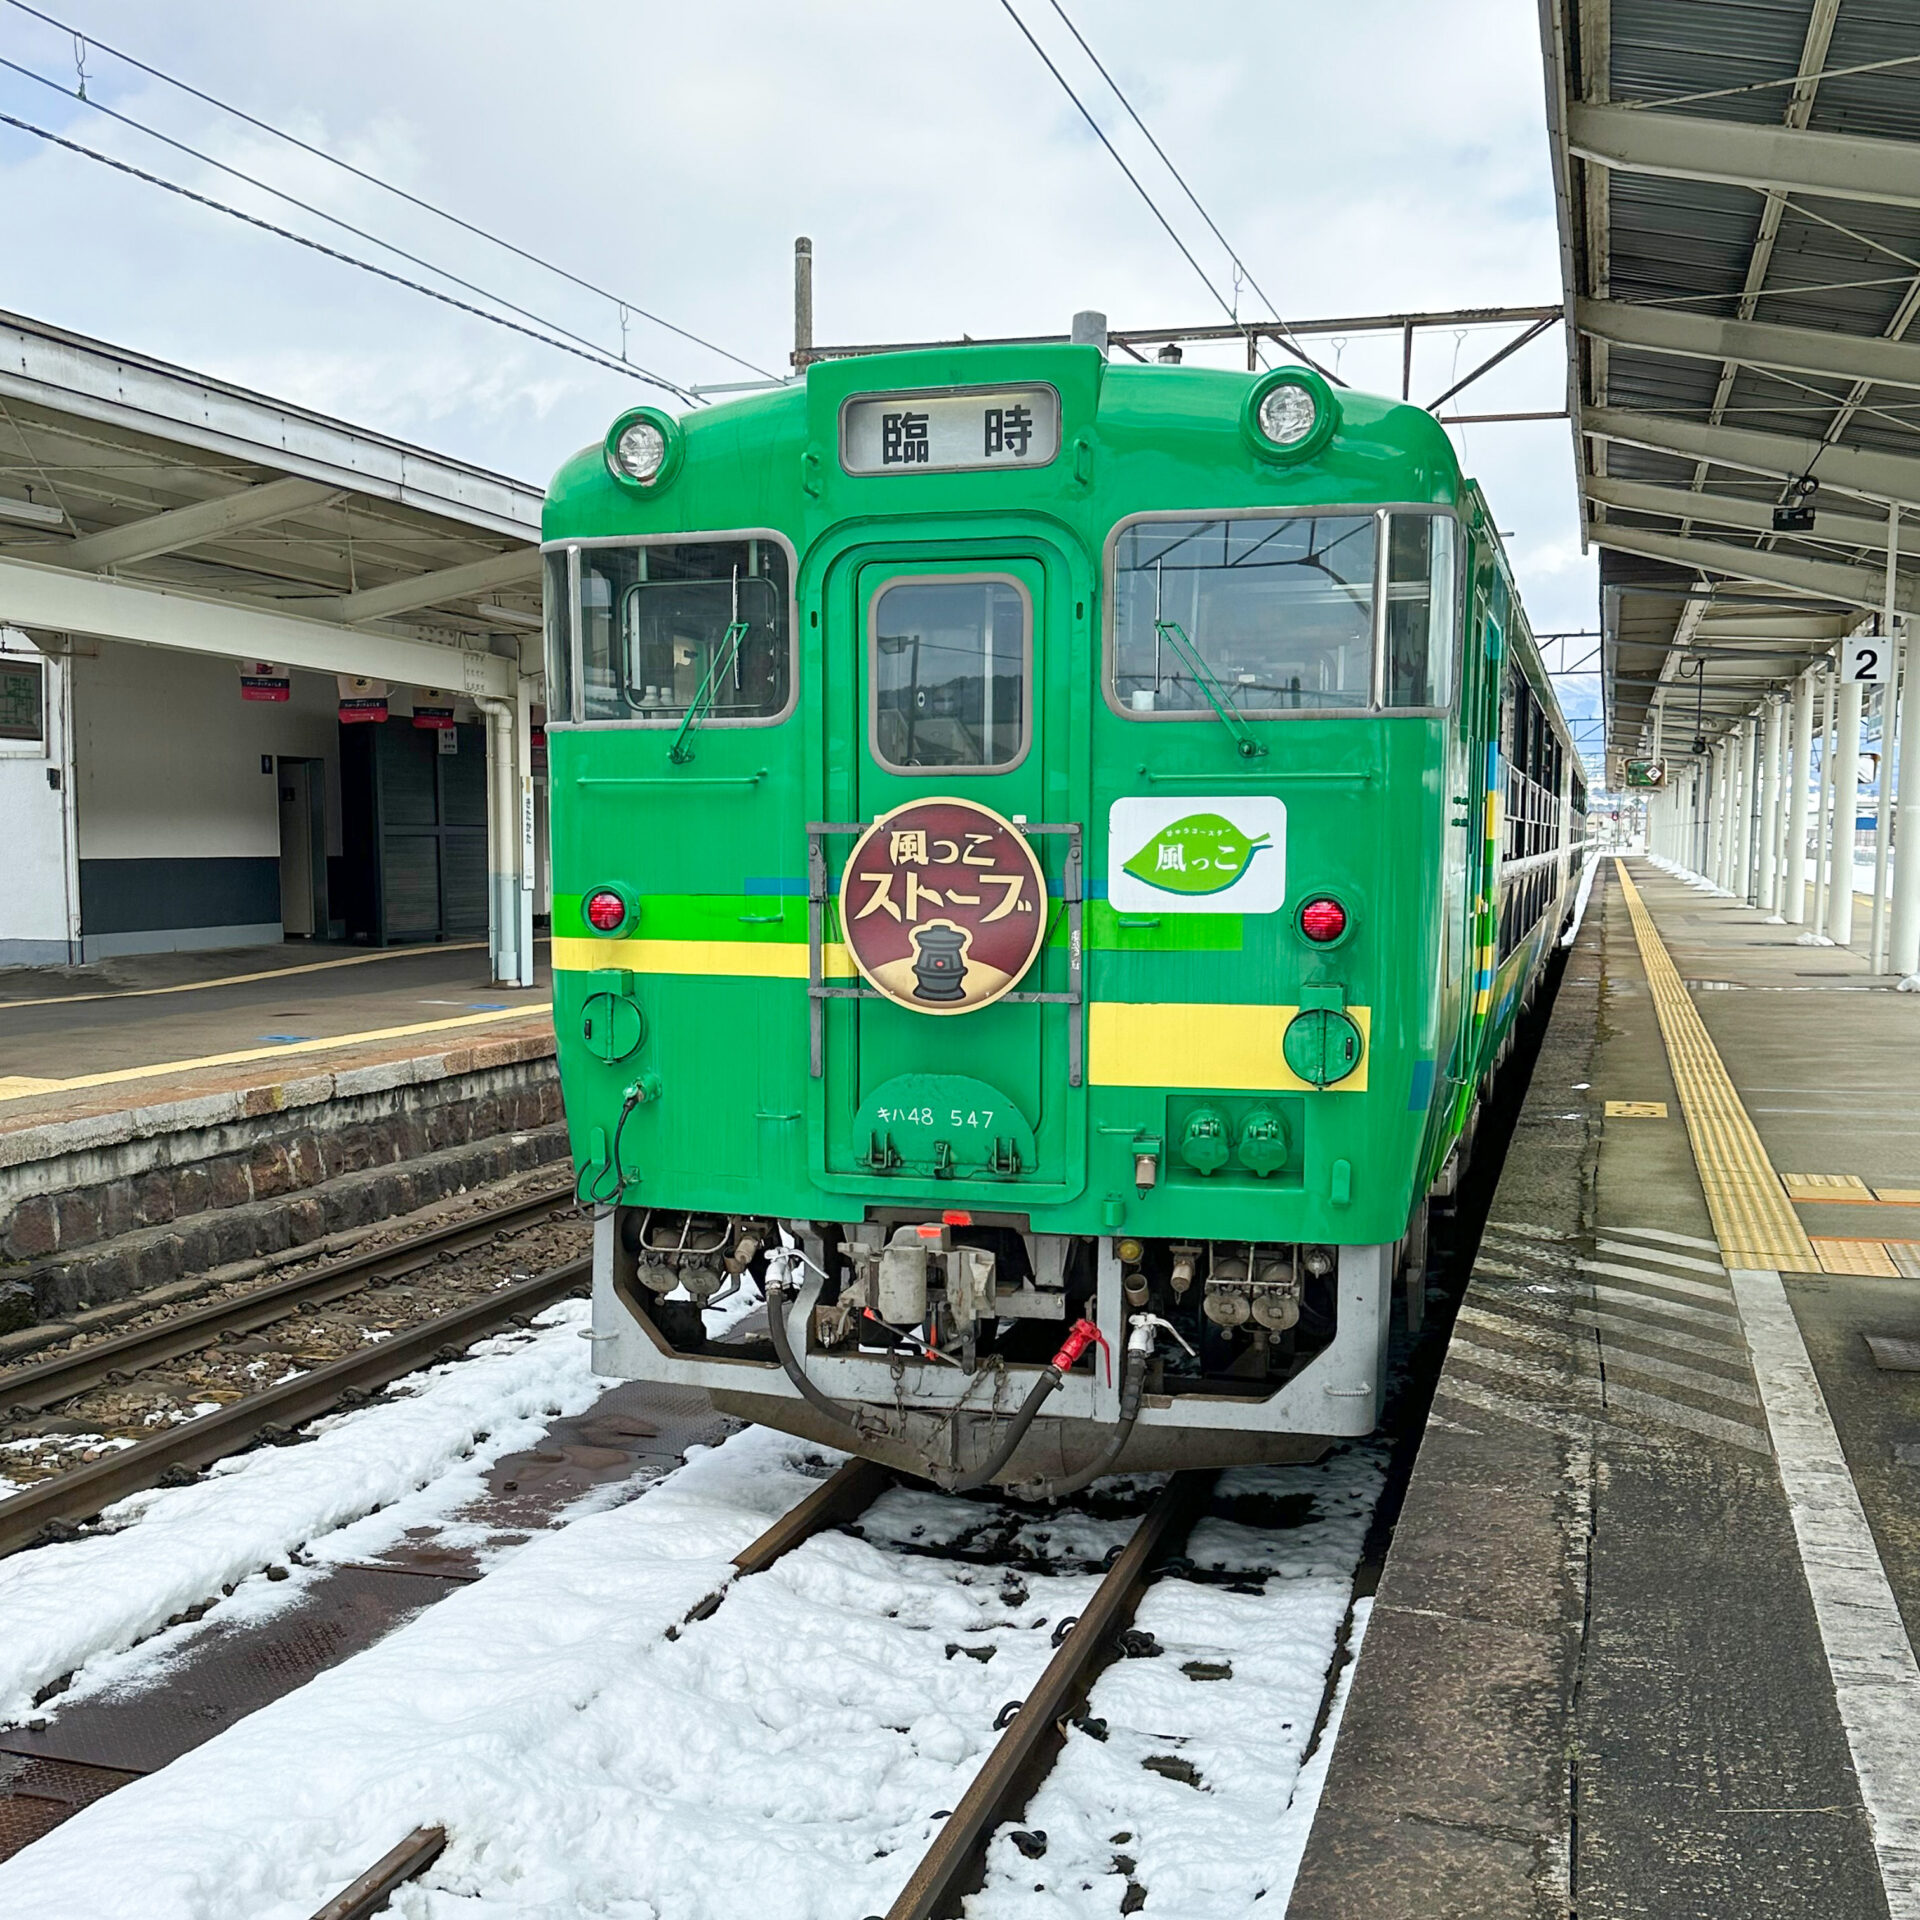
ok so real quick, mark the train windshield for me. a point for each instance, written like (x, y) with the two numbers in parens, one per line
(666, 627)
(1282, 614)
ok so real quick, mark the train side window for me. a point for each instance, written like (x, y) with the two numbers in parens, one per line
(949, 663)
(667, 626)
(557, 603)
(1421, 600)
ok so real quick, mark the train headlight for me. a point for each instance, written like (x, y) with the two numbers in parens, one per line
(641, 451)
(644, 447)
(605, 910)
(1290, 414)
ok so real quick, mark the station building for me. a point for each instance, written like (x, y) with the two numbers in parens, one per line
(263, 675)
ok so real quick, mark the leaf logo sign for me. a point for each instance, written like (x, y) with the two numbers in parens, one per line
(1201, 853)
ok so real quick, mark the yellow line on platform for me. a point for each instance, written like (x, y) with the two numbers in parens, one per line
(244, 979)
(1752, 1220)
(21, 1087)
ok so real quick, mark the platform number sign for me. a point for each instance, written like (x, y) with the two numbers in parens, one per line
(1867, 661)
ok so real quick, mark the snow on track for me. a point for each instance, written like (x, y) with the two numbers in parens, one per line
(420, 1451)
(785, 1756)
(1179, 1779)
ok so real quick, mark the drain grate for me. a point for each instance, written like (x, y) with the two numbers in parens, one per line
(36, 1794)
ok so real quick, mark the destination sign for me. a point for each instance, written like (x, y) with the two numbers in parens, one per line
(948, 432)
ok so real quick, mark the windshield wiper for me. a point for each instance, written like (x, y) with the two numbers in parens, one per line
(1249, 748)
(724, 656)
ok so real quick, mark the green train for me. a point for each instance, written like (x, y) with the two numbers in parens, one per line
(1047, 855)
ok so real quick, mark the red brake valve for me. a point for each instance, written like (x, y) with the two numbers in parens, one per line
(1082, 1335)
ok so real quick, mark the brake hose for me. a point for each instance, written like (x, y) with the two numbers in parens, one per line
(790, 1361)
(1133, 1381)
(1083, 1335)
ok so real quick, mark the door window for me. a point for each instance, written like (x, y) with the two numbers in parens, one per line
(951, 666)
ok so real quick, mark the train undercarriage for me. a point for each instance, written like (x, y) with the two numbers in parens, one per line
(966, 1348)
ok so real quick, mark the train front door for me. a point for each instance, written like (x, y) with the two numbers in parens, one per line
(950, 1032)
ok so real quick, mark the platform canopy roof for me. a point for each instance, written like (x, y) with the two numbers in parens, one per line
(1739, 211)
(141, 502)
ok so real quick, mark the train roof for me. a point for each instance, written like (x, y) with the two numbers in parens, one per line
(1145, 427)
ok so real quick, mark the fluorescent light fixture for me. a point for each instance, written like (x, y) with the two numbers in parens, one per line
(31, 512)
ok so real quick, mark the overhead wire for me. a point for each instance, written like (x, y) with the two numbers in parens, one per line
(592, 356)
(346, 226)
(386, 186)
(1066, 87)
(1233, 254)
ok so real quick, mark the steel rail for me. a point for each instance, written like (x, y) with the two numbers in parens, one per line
(371, 1892)
(45, 1383)
(950, 1866)
(847, 1492)
(82, 1492)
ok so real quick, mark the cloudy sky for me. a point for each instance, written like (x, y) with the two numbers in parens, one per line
(1378, 155)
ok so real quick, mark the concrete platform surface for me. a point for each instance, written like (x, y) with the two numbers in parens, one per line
(167, 1028)
(1643, 1641)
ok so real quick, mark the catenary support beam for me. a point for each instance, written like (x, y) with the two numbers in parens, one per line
(1754, 343)
(519, 568)
(54, 600)
(193, 526)
(1839, 166)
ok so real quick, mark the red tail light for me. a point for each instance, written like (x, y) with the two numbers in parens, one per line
(1323, 920)
(605, 910)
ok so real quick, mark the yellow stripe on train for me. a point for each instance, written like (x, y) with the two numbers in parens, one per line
(742, 959)
(1202, 1044)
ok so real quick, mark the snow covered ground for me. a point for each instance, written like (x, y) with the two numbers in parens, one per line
(591, 1754)
(418, 1453)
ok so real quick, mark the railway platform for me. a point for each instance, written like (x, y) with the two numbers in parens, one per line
(172, 1116)
(1642, 1642)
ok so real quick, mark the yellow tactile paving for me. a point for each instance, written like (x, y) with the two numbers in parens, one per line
(1866, 1257)
(1897, 1196)
(1752, 1220)
(1829, 1187)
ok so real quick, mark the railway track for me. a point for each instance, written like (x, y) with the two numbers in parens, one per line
(1031, 1729)
(48, 1510)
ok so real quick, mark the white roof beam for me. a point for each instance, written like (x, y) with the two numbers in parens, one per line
(1838, 166)
(1824, 579)
(192, 526)
(519, 568)
(1879, 476)
(71, 375)
(1753, 343)
(57, 600)
(1721, 510)
(1806, 626)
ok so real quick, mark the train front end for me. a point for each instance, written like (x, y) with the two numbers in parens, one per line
(1016, 835)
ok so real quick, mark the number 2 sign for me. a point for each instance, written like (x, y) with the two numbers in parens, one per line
(1866, 661)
